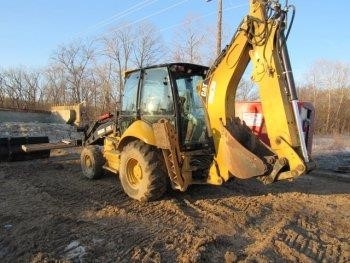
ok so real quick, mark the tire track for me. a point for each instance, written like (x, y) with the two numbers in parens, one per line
(239, 222)
(304, 239)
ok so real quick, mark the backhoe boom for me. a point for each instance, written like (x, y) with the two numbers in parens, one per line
(260, 39)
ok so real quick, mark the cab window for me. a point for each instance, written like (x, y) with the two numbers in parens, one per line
(193, 126)
(156, 95)
(129, 104)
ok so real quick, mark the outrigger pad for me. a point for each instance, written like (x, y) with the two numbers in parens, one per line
(10, 148)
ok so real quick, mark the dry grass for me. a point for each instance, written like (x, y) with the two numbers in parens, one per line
(336, 142)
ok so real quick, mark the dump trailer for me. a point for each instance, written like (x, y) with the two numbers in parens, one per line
(177, 121)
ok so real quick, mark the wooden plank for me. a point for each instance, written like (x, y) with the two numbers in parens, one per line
(48, 146)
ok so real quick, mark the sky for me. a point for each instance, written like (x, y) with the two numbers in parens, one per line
(31, 30)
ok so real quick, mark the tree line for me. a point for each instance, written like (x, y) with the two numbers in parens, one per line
(91, 71)
(83, 71)
(327, 86)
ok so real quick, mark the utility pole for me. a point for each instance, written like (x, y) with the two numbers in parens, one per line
(218, 27)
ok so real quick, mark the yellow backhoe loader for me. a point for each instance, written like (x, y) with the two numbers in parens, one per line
(177, 121)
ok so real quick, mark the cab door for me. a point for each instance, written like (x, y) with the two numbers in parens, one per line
(156, 97)
(128, 113)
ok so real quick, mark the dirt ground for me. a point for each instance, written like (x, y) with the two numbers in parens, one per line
(50, 213)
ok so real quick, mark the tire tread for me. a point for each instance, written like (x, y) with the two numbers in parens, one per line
(157, 185)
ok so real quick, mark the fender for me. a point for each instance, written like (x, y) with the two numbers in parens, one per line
(140, 130)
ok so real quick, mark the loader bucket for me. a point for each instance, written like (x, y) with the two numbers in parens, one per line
(10, 148)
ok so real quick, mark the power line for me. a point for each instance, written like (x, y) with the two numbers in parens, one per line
(156, 13)
(151, 15)
(166, 9)
(126, 12)
(118, 16)
(182, 23)
(200, 17)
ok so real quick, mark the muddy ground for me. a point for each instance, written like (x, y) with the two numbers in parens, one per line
(49, 212)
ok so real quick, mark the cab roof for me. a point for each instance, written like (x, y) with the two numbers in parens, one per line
(127, 72)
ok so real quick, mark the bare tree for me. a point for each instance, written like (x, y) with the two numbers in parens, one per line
(74, 59)
(147, 46)
(328, 87)
(247, 91)
(117, 46)
(188, 42)
(21, 87)
(33, 89)
(2, 90)
(105, 80)
(14, 86)
(55, 84)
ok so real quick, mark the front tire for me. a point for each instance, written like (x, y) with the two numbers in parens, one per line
(141, 173)
(92, 160)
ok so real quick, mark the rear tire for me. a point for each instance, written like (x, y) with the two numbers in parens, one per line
(92, 160)
(141, 173)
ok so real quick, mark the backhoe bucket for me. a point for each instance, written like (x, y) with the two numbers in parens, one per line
(244, 152)
(10, 148)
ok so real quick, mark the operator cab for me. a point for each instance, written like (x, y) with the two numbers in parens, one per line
(167, 91)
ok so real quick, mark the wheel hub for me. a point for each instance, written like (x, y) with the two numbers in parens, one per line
(134, 172)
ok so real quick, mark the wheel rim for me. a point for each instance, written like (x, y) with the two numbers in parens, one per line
(133, 173)
(87, 163)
